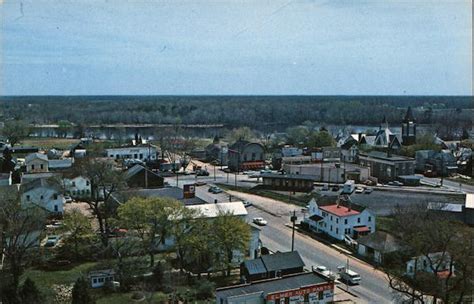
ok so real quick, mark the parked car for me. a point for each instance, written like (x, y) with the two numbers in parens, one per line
(325, 187)
(348, 276)
(215, 190)
(52, 241)
(54, 225)
(200, 183)
(68, 199)
(259, 221)
(202, 173)
(247, 204)
(335, 188)
(359, 190)
(368, 190)
(324, 271)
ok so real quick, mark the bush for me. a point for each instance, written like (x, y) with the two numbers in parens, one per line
(80, 292)
(204, 289)
(29, 293)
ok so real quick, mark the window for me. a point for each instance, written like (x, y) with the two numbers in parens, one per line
(253, 156)
(74, 184)
(358, 220)
(306, 298)
(55, 196)
(345, 221)
(330, 228)
(28, 198)
(41, 167)
(94, 281)
(56, 209)
(331, 217)
(135, 155)
(324, 214)
(370, 219)
(111, 155)
(41, 197)
(141, 155)
(87, 183)
(337, 220)
(32, 167)
(320, 295)
(101, 280)
(337, 230)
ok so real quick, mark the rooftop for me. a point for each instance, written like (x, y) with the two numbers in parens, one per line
(270, 286)
(214, 210)
(289, 176)
(33, 156)
(282, 260)
(339, 210)
(384, 156)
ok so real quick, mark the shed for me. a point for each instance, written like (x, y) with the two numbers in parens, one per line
(99, 278)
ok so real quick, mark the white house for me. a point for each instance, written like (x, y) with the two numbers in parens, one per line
(41, 193)
(77, 187)
(437, 262)
(36, 163)
(340, 218)
(99, 278)
(142, 152)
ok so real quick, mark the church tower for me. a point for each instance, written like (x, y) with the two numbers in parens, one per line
(409, 129)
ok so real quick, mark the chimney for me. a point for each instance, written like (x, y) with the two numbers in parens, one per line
(337, 202)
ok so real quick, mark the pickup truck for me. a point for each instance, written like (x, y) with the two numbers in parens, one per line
(348, 276)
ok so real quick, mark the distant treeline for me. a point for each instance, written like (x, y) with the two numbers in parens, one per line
(253, 111)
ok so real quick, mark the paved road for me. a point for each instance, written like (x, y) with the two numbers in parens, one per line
(451, 185)
(277, 237)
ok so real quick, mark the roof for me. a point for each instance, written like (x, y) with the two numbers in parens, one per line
(282, 260)
(255, 266)
(380, 241)
(445, 207)
(383, 156)
(289, 176)
(214, 210)
(315, 217)
(170, 192)
(33, 156)
(60, 163)
(105, 272)
(37, 183)
(137, 169)
(339, 210)
(409, 115)
(273, 285)
(362, 229)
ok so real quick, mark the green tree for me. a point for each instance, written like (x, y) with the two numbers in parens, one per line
(80, 292)
(78, 227)
(15, 131)
(298, 135)
(321, 139)
(151, 220)
(29, 293)
(231, 234)
(198, 254)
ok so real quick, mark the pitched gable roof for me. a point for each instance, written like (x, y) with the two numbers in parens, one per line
(282, 260)
(33, 156)
(380, 241)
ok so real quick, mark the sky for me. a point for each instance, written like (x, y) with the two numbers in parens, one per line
(264, 47)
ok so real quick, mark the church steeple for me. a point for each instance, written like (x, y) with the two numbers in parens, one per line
(409, 128)
(384, 124)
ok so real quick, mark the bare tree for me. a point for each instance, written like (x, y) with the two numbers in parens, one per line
(21, 228)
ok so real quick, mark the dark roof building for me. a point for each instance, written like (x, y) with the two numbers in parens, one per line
(139, 176)
(289, 182)
(306, 287)
(272, 265)
(386, 166)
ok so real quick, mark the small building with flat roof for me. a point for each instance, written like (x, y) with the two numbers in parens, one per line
(305, 287)
(288, 182)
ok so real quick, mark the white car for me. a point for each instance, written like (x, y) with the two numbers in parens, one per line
(259, 221)
(359, 190)
(324, 271)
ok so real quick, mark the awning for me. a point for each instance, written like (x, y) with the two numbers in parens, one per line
(315, 217)
(362, 229)
(253, 165)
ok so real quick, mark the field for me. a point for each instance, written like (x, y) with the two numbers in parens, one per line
(45, 143)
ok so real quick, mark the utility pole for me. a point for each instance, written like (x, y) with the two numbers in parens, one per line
(293, 219)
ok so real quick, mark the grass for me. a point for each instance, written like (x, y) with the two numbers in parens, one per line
(45, 143)
(46, 279)
(125, 298)
(299, 200)
(384, 223)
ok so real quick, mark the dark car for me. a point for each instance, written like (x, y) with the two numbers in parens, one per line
(335, 188)
(202, 173)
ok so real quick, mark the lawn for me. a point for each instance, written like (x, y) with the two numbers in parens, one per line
(45, 143)
(46, 279)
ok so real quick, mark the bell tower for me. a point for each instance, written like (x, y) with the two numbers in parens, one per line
(409, 128)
